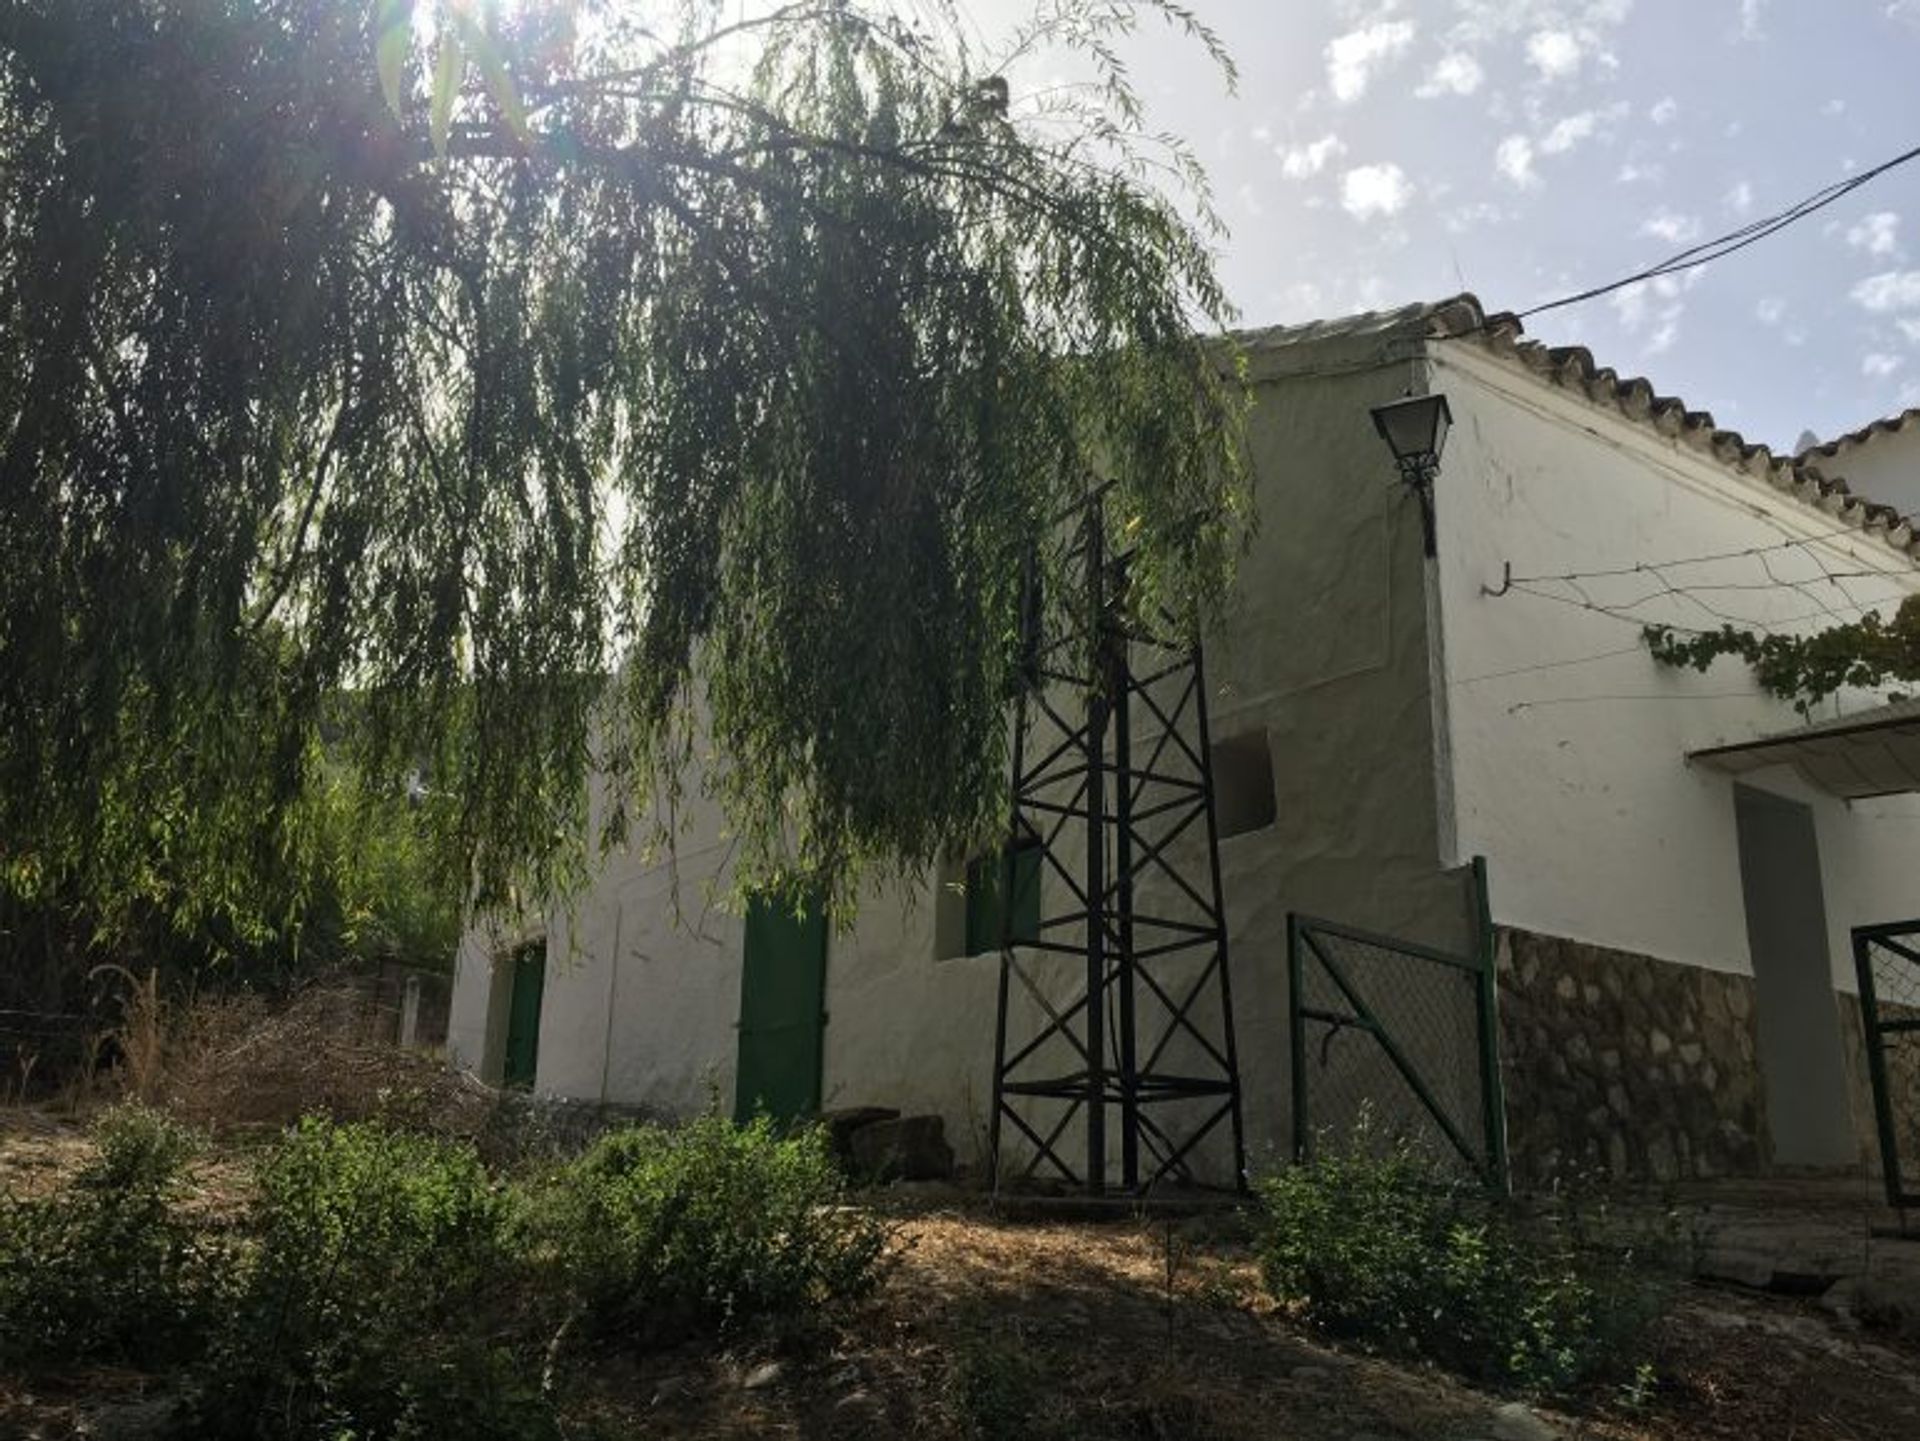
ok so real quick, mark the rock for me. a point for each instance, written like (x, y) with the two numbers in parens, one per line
(1310, 1373)
(766, 1374)
(1659, 1041)
(1741, 1266)
(1515, 1422)
(859, 1413)
(671, 1388)
(907, 1148)
(841, 1125)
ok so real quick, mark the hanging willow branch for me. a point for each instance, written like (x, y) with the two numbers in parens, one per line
(1867, 654)
(643, 386)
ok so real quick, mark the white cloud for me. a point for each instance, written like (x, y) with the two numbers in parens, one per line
(1769, 310)
(1907, 10)
(1671, 227)
(1630, 304)
(1879, 365)
(1570, 131)
(1740, 198)
(1261, 135)
(1352, 58)
(1302, 162)
(1513, 158)
(1663, 111)
(1633, 172)
(1658, 303)
(1556, 54)
(1371, 191)
(1835, 106)
(1888, 291)
(1751, 13)
(1464, 218)
(1458, 73)
(1877, 234)
(1910, 329)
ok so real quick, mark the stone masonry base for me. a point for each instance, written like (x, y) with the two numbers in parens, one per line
(1624, 1068)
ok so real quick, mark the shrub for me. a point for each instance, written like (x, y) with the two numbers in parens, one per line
(365, 1311)
(659, 1232)
(107, 1268)
(1380, 1247)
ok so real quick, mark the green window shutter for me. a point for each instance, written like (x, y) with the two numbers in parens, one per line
(783, 997)
(523, 1015)
(983, 899)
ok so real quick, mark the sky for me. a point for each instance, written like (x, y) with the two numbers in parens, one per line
(1377, 152)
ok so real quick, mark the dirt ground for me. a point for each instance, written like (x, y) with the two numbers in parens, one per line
(1059, 1330)
(1056, 1329)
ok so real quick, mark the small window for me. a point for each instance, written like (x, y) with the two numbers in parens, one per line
(1242, 783)
(983, 908)
(950, 909)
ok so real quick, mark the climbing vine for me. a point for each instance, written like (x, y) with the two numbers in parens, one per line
(1867, 654)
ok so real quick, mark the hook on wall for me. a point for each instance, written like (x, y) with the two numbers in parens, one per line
(1506, 581)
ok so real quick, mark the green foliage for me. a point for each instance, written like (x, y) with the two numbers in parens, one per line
(1865, 654)
(1374, 1244)
(744, 361)
(106, 1268)
(711, 1227)
(371, 1303)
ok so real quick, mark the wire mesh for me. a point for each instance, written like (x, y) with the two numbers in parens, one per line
(1392, 1048)
(1895, 1033)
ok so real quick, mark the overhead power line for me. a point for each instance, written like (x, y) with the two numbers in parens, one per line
(1724, 245)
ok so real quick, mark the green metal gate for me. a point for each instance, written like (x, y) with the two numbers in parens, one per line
(783, 1003)
(1404, 1031)
(523, 1014)
(1887, 961)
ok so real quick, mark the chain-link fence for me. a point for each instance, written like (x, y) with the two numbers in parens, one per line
(1392, 1042)
(1887, 959)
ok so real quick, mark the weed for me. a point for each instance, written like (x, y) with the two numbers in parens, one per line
(710, 1227)
(1372, 1243)
(364, 1312)
(106, 1268)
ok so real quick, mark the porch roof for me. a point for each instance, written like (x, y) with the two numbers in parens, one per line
(1868, 753)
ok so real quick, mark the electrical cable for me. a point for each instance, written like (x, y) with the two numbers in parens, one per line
(1722, 246)
(1740, 554)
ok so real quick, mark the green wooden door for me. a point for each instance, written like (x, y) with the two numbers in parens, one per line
(783, 1001)
(523, 1014)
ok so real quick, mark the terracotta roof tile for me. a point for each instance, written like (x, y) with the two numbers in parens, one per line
(1886, 425)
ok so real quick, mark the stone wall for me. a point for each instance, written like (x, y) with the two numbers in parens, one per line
(1625, 1067)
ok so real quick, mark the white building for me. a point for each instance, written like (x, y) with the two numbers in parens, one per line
(1675, 971)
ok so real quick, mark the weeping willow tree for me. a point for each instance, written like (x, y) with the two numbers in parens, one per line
(507, 395)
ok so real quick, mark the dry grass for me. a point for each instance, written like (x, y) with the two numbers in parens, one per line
(236, 1061)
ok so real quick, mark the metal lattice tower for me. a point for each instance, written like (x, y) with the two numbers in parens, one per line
(1115, 1012)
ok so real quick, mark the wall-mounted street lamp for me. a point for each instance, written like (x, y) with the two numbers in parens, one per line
(1415, 430)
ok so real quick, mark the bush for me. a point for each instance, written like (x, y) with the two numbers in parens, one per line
(1381, 1248)
(106, 1268)
(658, 1232)
(365, 1311)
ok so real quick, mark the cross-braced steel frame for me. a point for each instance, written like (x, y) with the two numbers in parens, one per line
(1114, 1051)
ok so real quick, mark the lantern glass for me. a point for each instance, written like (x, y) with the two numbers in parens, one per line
(1415, 428)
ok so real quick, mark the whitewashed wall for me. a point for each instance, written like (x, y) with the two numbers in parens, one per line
(1567, 741)
(1325, 649)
